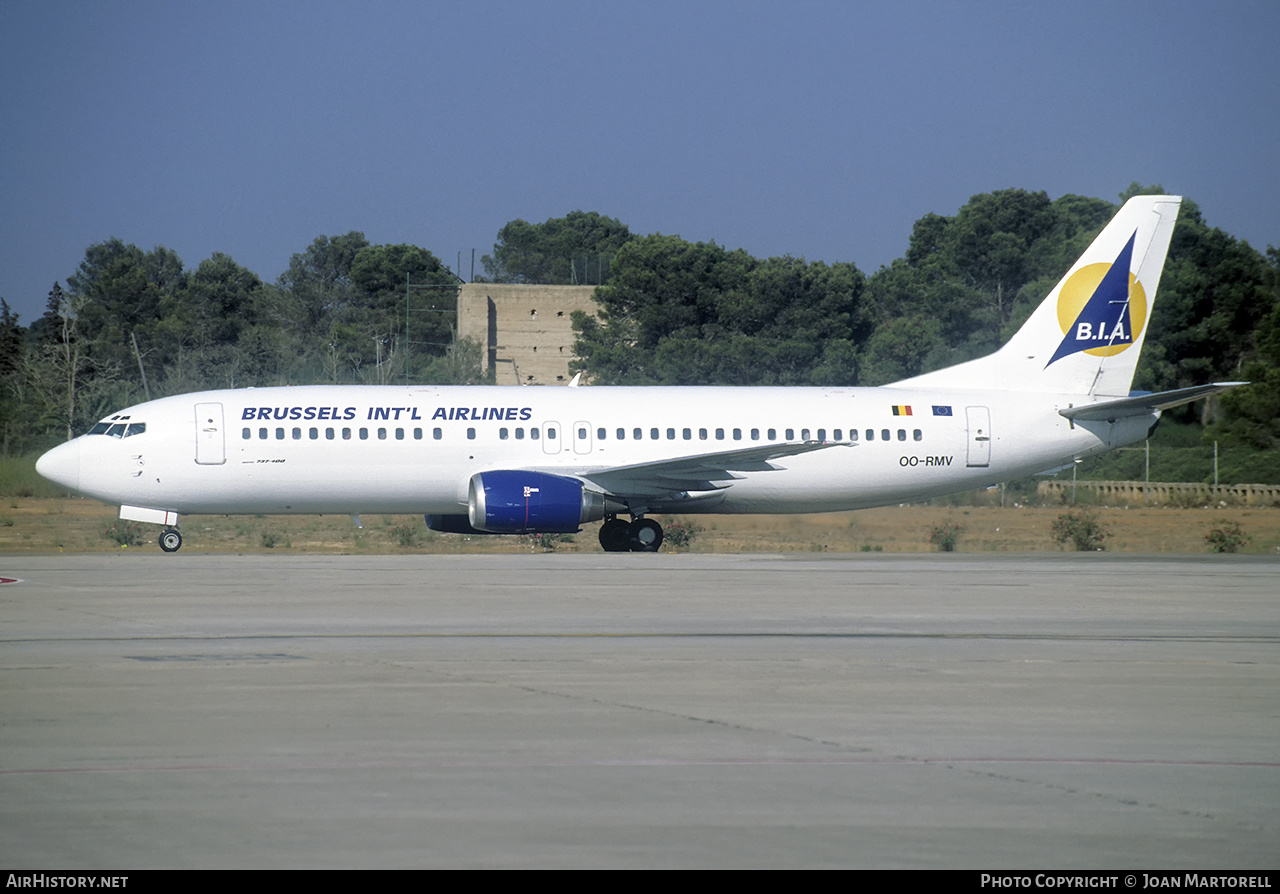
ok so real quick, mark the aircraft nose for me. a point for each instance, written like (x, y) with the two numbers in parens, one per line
(61, 465)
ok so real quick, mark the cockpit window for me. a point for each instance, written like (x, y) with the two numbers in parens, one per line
(118, 429)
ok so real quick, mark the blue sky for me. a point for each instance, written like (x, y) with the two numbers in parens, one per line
(815, 129)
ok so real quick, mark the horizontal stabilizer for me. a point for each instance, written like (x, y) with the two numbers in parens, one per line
(1145, 404)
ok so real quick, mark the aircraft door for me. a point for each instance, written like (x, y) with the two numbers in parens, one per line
(551, 435)
(210, 446)
(582, 437)
(979, 428)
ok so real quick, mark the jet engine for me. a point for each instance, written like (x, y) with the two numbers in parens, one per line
(518, 502)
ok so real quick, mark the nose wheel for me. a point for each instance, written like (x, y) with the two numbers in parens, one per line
(170, 540)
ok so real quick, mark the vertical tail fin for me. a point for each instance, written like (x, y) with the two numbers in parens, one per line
(1085, 337)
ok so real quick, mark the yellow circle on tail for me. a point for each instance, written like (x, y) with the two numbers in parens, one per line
(1077, 291)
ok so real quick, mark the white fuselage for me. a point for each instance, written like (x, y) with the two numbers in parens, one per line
(414, 449)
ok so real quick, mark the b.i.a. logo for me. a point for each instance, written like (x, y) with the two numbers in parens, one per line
(1101, 308)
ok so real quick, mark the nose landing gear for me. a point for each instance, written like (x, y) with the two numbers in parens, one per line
(170, 540)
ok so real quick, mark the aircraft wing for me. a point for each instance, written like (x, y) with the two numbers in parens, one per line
(665, 477)
(1144, 404)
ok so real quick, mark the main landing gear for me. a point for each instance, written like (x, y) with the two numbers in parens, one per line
(644, 535)
(170, 540)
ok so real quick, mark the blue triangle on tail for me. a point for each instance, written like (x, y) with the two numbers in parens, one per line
(1104, 319)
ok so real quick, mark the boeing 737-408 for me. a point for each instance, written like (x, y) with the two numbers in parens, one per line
(498, 460)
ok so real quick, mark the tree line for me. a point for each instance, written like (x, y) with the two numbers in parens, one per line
(131, 324)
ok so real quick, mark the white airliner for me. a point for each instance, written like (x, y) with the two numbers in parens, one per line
(513, 460)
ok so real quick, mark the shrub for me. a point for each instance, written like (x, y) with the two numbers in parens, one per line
(547, 542)
(1081, 529)
(1226, 537)
(405, 535)
(680, 534)
(945, 536)
(270, 539)
(124, 533)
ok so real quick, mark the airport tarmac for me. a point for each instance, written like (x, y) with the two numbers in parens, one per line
(618, 710)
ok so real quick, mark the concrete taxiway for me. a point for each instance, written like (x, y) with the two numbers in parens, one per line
(1065, 711)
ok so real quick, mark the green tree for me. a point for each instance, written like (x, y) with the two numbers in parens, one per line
(60, 371)
(677, 312)
(318, 282)
(380, 275)
(570, 250)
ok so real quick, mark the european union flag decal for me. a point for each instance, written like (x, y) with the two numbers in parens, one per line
(941, 411)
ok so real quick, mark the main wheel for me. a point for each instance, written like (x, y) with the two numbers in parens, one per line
(645, 535)
(170, 541)
(615, 535)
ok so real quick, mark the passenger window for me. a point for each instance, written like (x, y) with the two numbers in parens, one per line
(773, 434)
(737, 434)
(279, 434)
(702, 434)
(262, 434)
(328, 434)
(671, 434)
(244, 433)
(653, 434)
(364, 434)
(551, 433)
(622, 434)
(471, 434)
(902, 434)
(297, 434)
(917, 435)
(822, 434)
(853, 434)
(719, 434)
(346, 434)
(382, 434)
(688, 434)
(417, 434)
(804, 434)
(313, 433)
(836, 435)
(582, 434)
(502, 434)
(600, 433)
(791, 434)
(871, 434)
(637, 433)
(534, 434)
(399, 434)
(755, 434)
(884, 434)
(519, 434)
(437, 433)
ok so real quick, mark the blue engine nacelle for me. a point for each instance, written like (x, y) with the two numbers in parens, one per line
(516, 502)
(451, 524)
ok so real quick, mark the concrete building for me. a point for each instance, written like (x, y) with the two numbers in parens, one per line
(526, 330)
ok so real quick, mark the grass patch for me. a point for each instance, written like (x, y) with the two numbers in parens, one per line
(18, 479)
